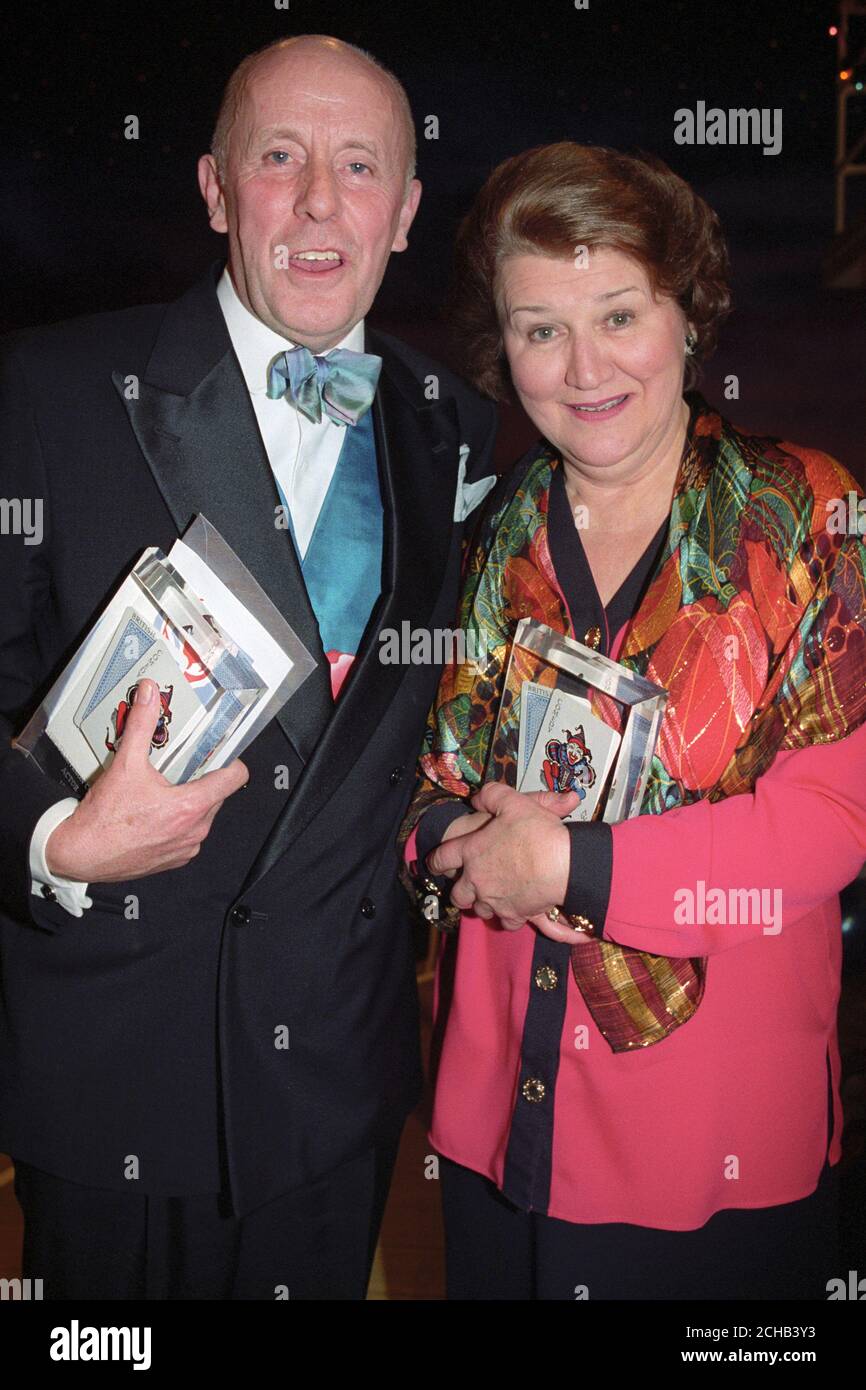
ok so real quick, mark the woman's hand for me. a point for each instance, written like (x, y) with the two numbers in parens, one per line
(462, 825)
(515, 863)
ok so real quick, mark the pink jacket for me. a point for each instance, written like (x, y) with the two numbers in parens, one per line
(731, 1110)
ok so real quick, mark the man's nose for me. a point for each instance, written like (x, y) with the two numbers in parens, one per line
(587, 363)
(317, 193)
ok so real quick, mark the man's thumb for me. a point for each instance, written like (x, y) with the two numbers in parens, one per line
(141, 720)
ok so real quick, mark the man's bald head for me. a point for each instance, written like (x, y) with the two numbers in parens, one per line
(317, 46)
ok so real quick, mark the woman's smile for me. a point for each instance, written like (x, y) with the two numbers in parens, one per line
(596, 412)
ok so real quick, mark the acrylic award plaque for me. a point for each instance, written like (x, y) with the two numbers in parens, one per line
(571, 719)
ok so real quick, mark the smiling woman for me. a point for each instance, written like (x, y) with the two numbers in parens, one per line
(590, 283)
(566, 200)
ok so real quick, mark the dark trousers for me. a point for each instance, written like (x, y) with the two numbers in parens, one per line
(495, 1251)
(317, 1242)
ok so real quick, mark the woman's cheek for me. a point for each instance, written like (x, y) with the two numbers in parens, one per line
(651, 356)
(535, 380)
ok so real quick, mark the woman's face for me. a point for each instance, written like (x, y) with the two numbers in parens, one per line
(596, 360)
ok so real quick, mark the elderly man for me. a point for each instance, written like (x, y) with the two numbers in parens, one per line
(203, 1097)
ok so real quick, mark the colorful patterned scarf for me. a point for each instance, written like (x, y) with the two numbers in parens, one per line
(754, 621)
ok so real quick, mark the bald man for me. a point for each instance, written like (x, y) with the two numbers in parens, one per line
(203, 1097)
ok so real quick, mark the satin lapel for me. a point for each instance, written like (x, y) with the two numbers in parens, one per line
(197, 429)
(417, 448)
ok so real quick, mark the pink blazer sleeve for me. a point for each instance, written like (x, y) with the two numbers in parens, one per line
(802, 831)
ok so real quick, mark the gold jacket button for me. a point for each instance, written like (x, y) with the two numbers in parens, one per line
(592, 637)
(533, 1089)
(546, 978)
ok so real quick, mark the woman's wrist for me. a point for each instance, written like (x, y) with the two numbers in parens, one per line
(433, 827)
(590, 873)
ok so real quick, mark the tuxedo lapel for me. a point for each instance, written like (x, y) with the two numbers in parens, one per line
(417, 448)
(197, 429)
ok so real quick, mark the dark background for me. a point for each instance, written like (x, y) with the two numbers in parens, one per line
(93, 221)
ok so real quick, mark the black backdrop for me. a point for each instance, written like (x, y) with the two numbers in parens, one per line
(92, 220)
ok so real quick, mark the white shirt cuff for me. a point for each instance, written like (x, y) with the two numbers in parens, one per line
(68, 892)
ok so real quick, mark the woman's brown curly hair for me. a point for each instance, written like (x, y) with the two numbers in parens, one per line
(555, 198)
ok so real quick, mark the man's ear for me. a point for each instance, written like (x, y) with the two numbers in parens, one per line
(407, 216)
(211, 191)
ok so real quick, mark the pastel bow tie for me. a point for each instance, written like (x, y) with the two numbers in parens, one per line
(342, 384)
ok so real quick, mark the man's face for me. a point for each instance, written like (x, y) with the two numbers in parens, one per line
(314, 198)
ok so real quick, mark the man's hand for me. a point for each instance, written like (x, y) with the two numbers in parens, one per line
(515, 865)
(133, 822)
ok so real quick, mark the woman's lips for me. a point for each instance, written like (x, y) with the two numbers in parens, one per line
(602, 411)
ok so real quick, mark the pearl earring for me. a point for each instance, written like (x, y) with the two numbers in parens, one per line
(691, 344)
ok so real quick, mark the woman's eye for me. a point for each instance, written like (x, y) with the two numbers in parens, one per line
(624, 317)
(541, 335)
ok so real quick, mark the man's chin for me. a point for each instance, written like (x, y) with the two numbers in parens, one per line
(316, 327)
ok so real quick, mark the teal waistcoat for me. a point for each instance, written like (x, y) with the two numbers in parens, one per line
(342, 567)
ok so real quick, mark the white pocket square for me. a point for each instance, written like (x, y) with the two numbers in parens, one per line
(469, 495)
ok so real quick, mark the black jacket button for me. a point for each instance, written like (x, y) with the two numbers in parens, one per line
(396, 775)
(368, 907)
(48, 892)
(240, 916)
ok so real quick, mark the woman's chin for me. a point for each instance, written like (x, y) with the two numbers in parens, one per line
(586, 447)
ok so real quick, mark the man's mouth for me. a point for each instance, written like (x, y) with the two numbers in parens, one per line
(315, 262)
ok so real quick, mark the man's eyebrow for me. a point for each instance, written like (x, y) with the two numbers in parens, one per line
(266, 134)
(262, 134)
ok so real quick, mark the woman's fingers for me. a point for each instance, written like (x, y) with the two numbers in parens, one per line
(559, 931)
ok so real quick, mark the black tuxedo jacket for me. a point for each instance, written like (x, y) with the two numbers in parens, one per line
(149, 1052)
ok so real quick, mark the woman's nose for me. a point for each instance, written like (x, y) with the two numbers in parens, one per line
(587, 366)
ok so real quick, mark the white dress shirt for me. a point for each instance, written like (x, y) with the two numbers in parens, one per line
(303, 457)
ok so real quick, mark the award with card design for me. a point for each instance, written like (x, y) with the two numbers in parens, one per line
(572, 720)
(198, 624)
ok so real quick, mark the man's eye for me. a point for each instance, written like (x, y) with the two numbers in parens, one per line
(279, 156)
(357, 166)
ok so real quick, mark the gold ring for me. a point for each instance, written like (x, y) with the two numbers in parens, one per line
(554, 914)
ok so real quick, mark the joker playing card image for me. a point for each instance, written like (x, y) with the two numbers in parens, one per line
(571, 719)
(573, 752)
(180, 707)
